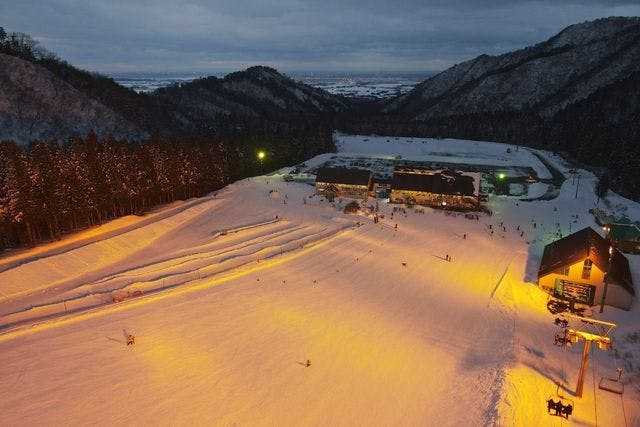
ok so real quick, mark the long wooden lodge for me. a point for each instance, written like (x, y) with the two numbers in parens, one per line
(344, 182)
(436, 188)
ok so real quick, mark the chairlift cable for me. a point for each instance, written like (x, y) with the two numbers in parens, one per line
(615, 365)
(593, 376)
(624, 414)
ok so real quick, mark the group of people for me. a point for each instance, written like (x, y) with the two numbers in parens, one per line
(562, 341)
(559, 408)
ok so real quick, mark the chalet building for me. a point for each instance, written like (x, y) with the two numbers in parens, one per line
(574, 268)
(625, 237)
(343, 182)
(435, 188)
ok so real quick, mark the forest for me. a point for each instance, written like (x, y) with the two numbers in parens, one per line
(48, 190)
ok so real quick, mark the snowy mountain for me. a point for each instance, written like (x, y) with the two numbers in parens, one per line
(36, 104)
(542, 79)
(258, 92)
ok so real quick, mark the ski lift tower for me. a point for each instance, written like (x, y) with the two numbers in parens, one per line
(591, 330)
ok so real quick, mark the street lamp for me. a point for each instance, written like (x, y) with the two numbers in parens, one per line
(261, 156)
(606, 279)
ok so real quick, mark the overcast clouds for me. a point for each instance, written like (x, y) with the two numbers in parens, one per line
(292, 35)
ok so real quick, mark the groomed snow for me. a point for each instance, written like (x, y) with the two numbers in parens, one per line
(241, 288)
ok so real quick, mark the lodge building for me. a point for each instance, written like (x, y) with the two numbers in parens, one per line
(574, 268)
(436, 188)
(625, 237)
(344, 182)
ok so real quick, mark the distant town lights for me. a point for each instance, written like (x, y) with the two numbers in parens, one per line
(261, 155)
(502, 175)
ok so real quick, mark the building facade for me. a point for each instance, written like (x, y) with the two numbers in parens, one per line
(574, 269)
(625, 237)
(435, 188)
(344, 182)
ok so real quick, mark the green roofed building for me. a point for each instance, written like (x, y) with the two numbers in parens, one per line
(625, 237)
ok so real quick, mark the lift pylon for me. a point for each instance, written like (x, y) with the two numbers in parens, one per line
(589, 330)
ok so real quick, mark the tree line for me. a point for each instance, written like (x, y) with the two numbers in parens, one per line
(48, 190)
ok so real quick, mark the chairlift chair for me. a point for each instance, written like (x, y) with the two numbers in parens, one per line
(614, 385)
(562, 400)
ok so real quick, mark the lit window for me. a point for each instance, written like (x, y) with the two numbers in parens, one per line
(586, 269)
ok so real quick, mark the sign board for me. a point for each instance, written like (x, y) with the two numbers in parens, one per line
(574, 291)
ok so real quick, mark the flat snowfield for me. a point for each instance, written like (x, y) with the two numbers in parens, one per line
(261, 305)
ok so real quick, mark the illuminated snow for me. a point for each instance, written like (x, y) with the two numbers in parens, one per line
(237, 300)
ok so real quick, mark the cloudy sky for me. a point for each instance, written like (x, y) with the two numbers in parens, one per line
(292, 35)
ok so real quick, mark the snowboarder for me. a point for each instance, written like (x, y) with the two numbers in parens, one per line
(308, 363)
(396, 227)
(131, 340)
(521, 233)
(464, 236)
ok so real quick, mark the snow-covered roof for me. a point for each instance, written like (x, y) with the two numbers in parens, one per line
(440, 182)
(344, 176)
(581, 245)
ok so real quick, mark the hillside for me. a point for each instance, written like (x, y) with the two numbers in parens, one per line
(542, 79)
(256, 93)
(34, 89)
(36, 104)
(230, 294)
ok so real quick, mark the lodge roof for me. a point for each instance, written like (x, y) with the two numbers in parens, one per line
(581, 245)
(439, 182)
(624, 232)
(344, 176)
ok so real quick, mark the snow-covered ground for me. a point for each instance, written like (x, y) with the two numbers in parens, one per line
(230, 295)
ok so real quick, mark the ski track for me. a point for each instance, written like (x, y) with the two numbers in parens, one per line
(242, 289)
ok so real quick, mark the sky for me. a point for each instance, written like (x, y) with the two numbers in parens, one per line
(292, 35)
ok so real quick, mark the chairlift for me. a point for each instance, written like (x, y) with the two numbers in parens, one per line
(614, 385)
(562, 407)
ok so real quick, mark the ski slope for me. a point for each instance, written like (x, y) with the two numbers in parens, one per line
(237, 290)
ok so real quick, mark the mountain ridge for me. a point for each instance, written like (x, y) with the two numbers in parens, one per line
(545, 77)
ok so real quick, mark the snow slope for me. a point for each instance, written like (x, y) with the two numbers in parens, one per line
(243, 287)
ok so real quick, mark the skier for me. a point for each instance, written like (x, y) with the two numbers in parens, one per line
(464, 236)
(308, 363)
(567, 410)
(131, 340)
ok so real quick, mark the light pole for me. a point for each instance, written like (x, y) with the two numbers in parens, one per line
(261, 156)
(606, 279)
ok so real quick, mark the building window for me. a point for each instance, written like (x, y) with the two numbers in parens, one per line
(565, 270)
(586, 269)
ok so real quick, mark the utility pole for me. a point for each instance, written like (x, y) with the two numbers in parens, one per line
(600, 336)
(606, 279)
